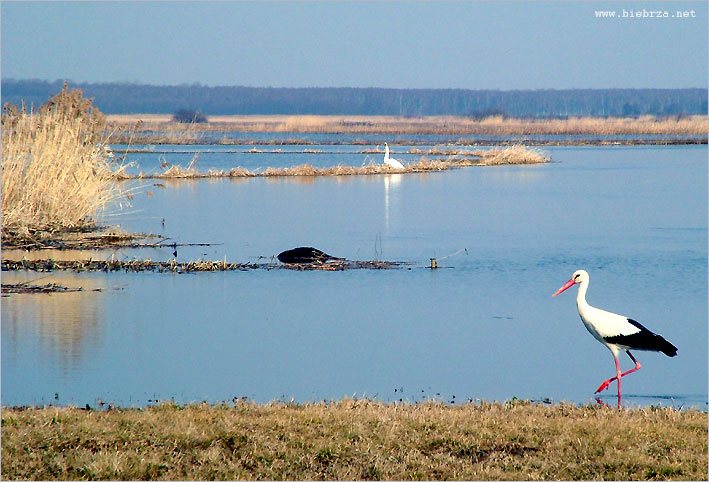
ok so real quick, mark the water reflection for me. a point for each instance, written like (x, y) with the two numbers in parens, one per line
(61, 327)
(295, 179)
(391, 182)
(56, 254)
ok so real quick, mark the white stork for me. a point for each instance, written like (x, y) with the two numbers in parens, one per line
(615, 331)
(390, 161)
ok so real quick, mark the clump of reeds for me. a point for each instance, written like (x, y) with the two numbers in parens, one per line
(517, 154)
(183, 172)
(56, 171)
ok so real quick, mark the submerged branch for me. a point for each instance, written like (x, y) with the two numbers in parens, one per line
(25, 288)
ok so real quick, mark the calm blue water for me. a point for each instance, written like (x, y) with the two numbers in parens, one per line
(483, 327)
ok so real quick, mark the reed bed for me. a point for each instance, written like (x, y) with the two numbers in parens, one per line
(438, 151)
(423, 165)
(175, 172)
(81, 240)
(516, 154)
(492, 125)
(56, 170)
(355, 440)
(173, 266)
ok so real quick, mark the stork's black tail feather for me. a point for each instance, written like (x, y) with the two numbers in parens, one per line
(644, 340)
(666, 347)
(654, 341)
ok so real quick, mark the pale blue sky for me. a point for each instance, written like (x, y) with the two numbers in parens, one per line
(472, 45)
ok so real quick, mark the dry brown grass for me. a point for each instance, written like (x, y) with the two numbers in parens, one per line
(516, 154)
(494, 125)
(304, 170)
(56, 173)
(422, 165)
(355, 440)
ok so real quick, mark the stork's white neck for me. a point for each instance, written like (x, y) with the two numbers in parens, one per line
(386, 151)
(581, 295)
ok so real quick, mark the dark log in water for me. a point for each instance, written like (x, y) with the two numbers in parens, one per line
(304, 255)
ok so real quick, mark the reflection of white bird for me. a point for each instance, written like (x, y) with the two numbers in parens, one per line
(390, 161)
(390, 182)
(617, 332)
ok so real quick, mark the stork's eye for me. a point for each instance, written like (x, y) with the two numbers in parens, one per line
(576, 277)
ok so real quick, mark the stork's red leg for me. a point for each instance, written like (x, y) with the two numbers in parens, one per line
(605, 384)
(619, 376)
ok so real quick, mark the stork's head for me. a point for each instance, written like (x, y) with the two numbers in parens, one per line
(580, 276)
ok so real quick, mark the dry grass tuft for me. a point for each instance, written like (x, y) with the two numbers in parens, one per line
(517, 154)
(177, 172)
(56, 171)
(355, 440)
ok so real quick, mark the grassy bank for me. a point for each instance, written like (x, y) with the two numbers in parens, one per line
(451, 125)
(355, 440)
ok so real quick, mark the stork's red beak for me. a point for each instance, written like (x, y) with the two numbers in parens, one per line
(568, 285)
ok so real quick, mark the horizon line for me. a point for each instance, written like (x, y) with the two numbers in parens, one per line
(199, 84)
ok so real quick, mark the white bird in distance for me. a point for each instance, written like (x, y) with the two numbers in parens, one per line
(390, 161)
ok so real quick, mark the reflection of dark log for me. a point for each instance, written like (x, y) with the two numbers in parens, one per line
(304, 255)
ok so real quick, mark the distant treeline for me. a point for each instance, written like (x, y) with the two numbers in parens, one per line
(128, 98)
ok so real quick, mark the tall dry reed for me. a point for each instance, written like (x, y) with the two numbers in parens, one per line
(449, 125)
(516, 154)
(56, 171)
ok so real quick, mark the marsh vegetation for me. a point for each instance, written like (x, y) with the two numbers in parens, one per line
(161, 129)
(56, 170)
(516, 154)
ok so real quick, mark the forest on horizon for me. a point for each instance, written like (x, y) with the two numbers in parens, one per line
(133, 98)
